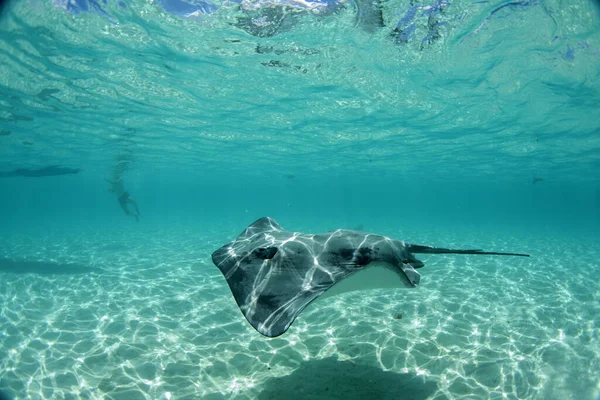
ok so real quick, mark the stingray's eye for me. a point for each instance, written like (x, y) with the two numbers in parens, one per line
(346, 253)
(266, 253)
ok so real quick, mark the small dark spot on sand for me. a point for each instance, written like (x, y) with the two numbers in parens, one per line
(263, 49)
(15, 117)
(398, 315)
(275, 63)
(569, 54)
(45, 94)
(268, 49)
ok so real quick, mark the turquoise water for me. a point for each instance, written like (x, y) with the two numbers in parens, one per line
(489, 137)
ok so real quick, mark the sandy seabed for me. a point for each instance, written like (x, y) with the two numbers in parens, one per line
(114, 316)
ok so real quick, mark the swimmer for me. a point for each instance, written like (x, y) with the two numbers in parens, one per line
(128, 204)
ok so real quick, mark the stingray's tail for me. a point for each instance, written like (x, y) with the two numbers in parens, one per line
(417, 248)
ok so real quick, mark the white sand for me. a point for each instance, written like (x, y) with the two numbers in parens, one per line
(154, 319)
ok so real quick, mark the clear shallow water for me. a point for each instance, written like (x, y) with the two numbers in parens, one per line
(321, 127)
(118, 315)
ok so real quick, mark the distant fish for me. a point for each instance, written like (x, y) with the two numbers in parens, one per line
(274, 274)
(536, 180)
(52, 170)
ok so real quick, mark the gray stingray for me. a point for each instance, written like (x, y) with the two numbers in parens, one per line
(274, 274)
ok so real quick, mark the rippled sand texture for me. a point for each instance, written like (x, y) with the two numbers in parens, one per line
(94, 317)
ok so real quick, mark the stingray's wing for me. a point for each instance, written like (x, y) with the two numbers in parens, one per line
(273, 280)
(260, 226)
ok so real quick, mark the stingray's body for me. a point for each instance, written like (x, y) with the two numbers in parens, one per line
(274, 274)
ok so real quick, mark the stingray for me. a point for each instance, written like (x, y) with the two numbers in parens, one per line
(274, 274)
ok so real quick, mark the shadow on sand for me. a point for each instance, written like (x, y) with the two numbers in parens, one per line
(51, 170)
(44, 267)
(330, 379)
(4, 396)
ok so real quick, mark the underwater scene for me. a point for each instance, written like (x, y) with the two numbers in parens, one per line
(300, 199)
